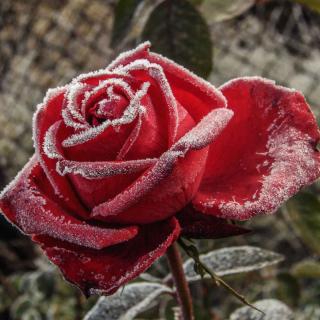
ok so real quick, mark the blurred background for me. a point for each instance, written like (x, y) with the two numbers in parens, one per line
(45, 43)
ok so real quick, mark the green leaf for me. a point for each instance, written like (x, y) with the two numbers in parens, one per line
(306, 269)
(312, 4)
(220, 10)
(123, 15)
(304, 211)
(178, 31)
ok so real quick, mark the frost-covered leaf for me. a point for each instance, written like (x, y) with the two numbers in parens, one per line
(123, 14)
(220, 10)
(20, 306)
(304, 211)
(178, 31)
(126, 304)
(233, 260)
(273, 309)
(32, 314)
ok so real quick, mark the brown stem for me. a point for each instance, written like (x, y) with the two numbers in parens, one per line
(181, 284)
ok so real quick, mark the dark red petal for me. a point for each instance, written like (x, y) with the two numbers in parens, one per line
(104, 271)
(96, 182)
(196, 225)
(195, 94)
(160, 93)
(103, 169)
(96, 148)
(149, 138)
(170, 184)
(27, 203)
(48, 113)
(265, 155)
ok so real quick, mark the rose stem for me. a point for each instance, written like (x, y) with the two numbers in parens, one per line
(181, 284)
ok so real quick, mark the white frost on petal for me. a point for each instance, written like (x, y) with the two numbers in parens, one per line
(128, 116)
(125, 55)
(50, 142)
(293, 166)
(69, 121)
(99, 170)
(196, 81)
(205, 131)
(131, 139)
(91, 74)
(250, 79)
(41, 108)
(34, 213)
(138, 268)
(74, 90)
(157, 73)
(51, 94)
(109, 90)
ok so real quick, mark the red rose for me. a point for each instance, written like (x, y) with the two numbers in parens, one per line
(120, 151)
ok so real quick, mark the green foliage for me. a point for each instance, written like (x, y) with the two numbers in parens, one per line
(309, 269)
(42, 295)
(312, 4)
(123, 15)
(304, 211)
(178, 31)
(288, 289)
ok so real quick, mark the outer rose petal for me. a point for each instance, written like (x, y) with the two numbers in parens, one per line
(197, 225)
(104, 271)
(171, 183)
(29, 202)
(265, 155)
(47, 114)
(195, 94)
(140, 52)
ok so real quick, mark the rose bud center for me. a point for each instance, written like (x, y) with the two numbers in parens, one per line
(108, 108)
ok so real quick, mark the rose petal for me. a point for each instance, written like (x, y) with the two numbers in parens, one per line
(104, 271)
(83, 174)
(174, 177)
(103, 169)
(97, 181)
(26, 202)
(267, 153)
(195, 94)
(197, 225)
(140, 52)
(148, 139)
(159, 91)
(48, 113)
(130, 114)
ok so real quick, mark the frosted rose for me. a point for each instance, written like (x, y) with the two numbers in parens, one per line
(122, 155)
